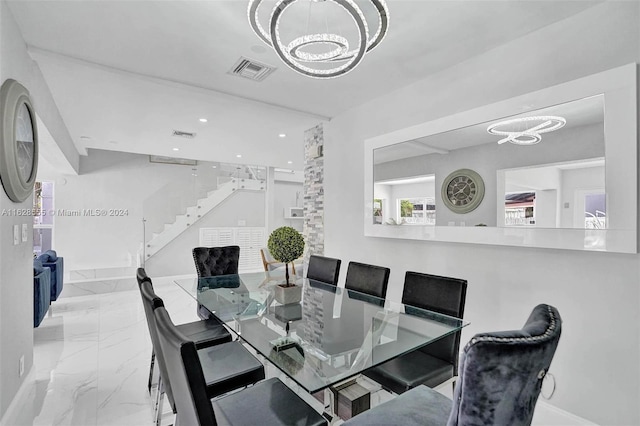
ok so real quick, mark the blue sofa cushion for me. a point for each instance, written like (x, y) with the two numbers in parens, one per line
(37, 267)
(41, 292)
(50, 259)
(48, 256)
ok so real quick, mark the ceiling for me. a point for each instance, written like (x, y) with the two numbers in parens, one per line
(126, 73)
(578, 113)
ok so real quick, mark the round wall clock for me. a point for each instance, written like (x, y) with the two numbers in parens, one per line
(19, 144)
(462, 191)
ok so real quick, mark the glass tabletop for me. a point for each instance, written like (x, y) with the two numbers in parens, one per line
(329, 335)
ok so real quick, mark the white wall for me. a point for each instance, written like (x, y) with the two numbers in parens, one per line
(284, 194)
(574, 181)
(16, 273)
(115, 180)
(107, 180)
(596, 365)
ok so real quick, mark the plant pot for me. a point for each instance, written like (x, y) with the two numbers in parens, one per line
(287, 295)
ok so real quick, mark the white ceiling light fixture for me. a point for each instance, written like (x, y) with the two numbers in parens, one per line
(203, 120)
(526, 130)
(316, 51)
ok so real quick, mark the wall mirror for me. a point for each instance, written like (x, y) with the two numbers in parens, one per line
(556, 168)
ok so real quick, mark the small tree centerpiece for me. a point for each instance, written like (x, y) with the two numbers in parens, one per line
(286, 245)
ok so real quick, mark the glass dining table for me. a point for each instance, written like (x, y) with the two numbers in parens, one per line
(329, 336)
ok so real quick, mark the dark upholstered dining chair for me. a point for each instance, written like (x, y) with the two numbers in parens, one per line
(267, 403)
(205, 333)
(367, 279)
(323, 269)
(227, 366)
(214, 261)
(500, 379)
(436, 362)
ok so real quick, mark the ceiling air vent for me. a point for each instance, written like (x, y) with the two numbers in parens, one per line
(251, 69)
(181, 134)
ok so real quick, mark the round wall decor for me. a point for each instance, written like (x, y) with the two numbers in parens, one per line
(19, 144)
(462, 191)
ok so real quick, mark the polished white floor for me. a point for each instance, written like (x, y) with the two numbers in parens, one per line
(91, 362)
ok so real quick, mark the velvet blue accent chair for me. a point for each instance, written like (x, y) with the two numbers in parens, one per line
(41, 291)
(51, 260)
(500, 379)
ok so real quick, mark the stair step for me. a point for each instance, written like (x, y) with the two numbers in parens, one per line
(194, 213)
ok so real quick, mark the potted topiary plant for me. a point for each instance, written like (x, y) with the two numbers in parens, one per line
(286, 245)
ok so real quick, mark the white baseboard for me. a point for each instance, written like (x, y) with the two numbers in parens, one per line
(12, 415)
(550, 415)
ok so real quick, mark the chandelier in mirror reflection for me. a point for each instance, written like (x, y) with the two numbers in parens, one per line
(526, 130)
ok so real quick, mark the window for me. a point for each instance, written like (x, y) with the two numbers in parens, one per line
(377, 211)
(519, 208)
(595, 211)
(43, 217)
(417, 211)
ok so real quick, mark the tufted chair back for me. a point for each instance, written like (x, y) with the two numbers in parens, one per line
(500, 379)
(213, 261)
(501, 372)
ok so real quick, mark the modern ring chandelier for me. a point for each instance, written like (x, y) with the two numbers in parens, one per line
(517, 131)
(324, 48)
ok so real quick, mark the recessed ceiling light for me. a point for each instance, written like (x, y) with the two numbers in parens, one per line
(282, 135)
(239, 156)
(289, 162)
(203, 120)
(213, 167)
(85, 137)
(176, 149)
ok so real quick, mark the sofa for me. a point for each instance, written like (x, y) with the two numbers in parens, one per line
(51, 260)
(41, 291)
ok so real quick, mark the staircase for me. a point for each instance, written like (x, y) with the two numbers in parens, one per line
(194, 213)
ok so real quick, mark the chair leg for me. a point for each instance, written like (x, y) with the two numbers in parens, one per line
(440, 388)
(153, 360)
(156, 399)
(159, 403)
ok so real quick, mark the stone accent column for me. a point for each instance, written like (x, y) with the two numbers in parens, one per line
(313, 229)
